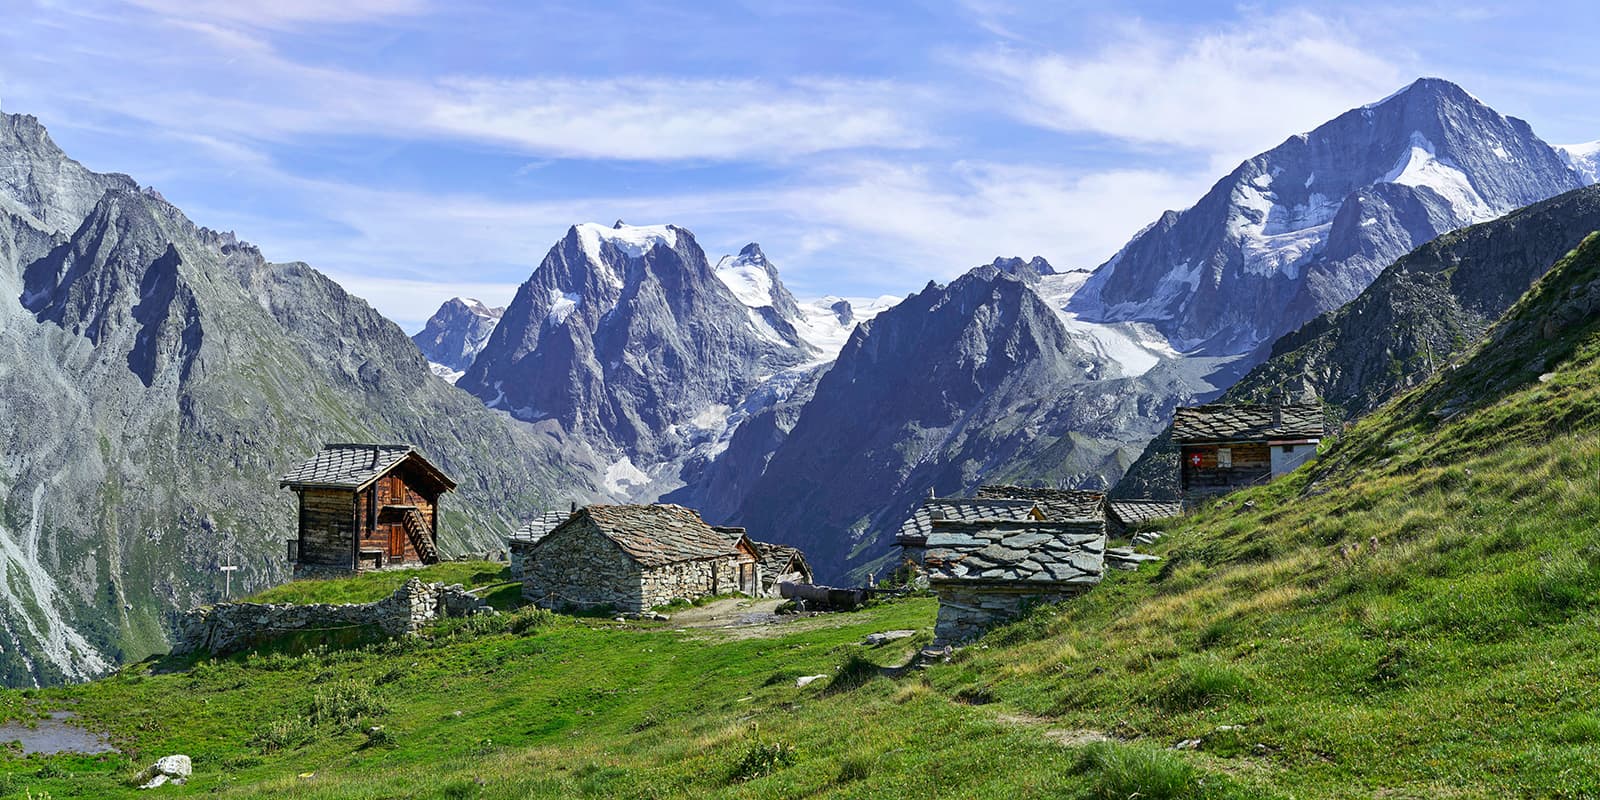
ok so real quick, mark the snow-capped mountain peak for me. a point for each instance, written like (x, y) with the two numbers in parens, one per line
(1304, 227)
(455, 334)
(1584, 160)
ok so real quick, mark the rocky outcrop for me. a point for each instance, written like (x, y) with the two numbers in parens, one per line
(231, 627)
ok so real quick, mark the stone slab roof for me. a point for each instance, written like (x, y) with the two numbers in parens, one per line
(540, 525)
(917, 526)
(1032, 553)
(353, 466)
(776, 558)
(1134, 512)
(1220, 422)
(658, 534)
(1058, 505)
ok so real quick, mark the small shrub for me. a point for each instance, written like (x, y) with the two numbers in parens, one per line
(854, 768)
(345, 706)
(380, 736)
(1203, 682)
(527, 620)
(1119, 771)
(461, 790)
(283, 734)
(1579, 729)
(855, 672)
(760, 759)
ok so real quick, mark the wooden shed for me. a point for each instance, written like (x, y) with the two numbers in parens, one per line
(1227, 447)
(365, 507)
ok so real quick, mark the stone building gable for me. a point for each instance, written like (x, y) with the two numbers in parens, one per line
(578, 566)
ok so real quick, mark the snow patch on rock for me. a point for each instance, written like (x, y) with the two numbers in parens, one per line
(1420, 167)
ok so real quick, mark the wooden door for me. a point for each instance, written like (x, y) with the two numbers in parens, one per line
(397, 542)
(747, 579)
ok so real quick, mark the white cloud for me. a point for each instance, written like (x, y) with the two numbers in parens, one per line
(657, 118)
(1230, 93)
(410, 302)
(925, 222)
(283, 13)
(220, 75)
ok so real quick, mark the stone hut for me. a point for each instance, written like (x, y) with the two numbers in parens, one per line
(521, 541)
(989, 571)
(1125, 516)
(1226, 447)
(781, 563)
(913, 534)
(636, 557)
(365, 507)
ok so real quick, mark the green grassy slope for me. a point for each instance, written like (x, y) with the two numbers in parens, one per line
(1414, 615)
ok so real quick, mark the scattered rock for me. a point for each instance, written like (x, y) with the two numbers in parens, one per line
(1075, 738)
(807, 680)
(174, 769)
(1188, 744)
(875, 639)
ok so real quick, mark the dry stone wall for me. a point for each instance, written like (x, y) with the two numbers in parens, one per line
(230, 627)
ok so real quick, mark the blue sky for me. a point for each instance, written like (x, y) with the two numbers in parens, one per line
(416, 150)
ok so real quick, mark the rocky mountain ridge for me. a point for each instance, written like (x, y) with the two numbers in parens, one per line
(159, 377)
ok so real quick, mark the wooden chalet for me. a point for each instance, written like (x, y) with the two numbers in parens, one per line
(365, 507)
(1228, 447)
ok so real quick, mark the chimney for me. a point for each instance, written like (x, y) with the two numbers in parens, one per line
(374, 458)
(931, 495)
(573, 509)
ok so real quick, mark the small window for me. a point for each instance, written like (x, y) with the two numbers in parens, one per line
(1288, 448)
(1225, 458)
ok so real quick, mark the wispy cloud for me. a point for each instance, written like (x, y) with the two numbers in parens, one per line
(283, 13)
(1229, 92)
(216, 74)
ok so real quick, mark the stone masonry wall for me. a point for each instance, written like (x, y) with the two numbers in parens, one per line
(578, 567)
(967, 610)
(230, 627)
(690, 580)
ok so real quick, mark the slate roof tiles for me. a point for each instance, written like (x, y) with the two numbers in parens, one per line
(352, 466)
(1224, 422)
(658, 534)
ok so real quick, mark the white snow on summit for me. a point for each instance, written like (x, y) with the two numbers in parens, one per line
(748, 281)
(632, 240)
(1584, 159)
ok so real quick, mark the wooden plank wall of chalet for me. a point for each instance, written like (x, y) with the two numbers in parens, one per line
(327, 524)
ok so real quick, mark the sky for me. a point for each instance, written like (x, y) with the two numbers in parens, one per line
(417, 150)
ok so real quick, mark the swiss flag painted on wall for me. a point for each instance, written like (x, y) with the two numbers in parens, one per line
(1195, 459)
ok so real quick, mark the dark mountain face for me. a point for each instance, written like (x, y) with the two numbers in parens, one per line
(157, 378)
(627, 338)
(1303, 228)
(958, 383)
(456, 333)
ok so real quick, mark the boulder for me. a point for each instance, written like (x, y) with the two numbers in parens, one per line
(174, 769)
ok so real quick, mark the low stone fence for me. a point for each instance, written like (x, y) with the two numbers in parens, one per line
(230, 627)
